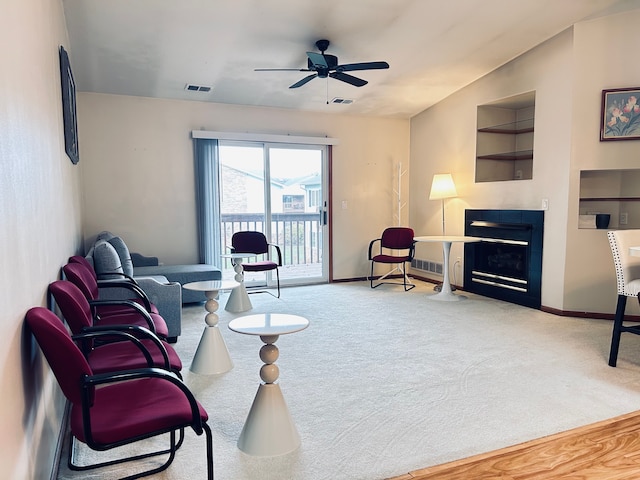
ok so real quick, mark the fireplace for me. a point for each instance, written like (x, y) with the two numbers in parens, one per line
(507, 263)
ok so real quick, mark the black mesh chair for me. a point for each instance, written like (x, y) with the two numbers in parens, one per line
(396, 246)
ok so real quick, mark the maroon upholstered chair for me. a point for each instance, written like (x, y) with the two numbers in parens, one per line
(81, 273)
(256, 243)
(133, 347)
(396, 246)
(113, 409)
(136, 314)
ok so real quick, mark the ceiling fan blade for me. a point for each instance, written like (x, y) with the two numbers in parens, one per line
(350, 67)
(281, 70)
(355, 81)
(306, 79)
(317, 60)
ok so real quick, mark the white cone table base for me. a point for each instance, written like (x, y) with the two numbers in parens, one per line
(239, 298)
(269, 429)
(212, 356)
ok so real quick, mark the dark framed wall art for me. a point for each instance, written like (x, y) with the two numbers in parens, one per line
(69, 107)
(620, 115)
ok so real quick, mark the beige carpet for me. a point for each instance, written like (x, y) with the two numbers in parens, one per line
(386, 381)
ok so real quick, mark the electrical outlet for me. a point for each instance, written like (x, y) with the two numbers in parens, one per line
(545, 204)
(624, 218)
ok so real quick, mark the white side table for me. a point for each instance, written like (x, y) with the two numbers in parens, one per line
(446, 293)
(269, 429)
(212, 356)
(239, 298)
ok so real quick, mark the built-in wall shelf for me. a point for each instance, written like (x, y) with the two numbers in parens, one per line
(522, 155)
(504, 139)
(511, 128)
(614, 192)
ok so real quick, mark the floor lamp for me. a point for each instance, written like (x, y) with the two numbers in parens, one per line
(442, 187)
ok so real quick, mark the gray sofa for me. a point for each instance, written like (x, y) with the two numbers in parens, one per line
(150, 266)
(110, 258)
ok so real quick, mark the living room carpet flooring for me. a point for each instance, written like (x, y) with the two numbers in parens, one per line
(385, 382)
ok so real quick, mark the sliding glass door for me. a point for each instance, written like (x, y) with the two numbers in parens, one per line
(277, 189)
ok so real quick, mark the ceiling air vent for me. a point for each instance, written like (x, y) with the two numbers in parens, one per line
(343, 101)
(197, 88)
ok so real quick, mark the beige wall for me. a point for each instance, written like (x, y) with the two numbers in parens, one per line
(443, 140)
(605, 55)
(137, 157)
(40, 226)
(568, 74)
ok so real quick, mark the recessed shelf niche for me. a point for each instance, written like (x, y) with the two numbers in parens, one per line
(616, 192)
(504, 139)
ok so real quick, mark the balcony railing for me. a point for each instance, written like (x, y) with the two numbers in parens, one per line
(299, 235)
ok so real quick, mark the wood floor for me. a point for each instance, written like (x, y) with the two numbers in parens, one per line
(605, 450)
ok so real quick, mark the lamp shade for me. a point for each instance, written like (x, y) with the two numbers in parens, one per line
(442, 187)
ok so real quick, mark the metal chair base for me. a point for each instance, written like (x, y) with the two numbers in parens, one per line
(406, 280)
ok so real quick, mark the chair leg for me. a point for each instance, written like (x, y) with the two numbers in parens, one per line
(404, 277)
(278, 281)
(209, 436)
(617, 330)
(173, 446)
(371, 276)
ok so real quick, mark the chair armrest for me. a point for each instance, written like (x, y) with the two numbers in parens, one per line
(132, 286)
(91, 381)
(91, 334)
(133, 333)
(278, 252)
(136, 309)
(371, 244)
(165, 295)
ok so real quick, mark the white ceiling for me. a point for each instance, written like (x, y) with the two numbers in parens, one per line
(153, 48)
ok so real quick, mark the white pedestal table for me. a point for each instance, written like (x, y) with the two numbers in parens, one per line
(446, 293)
(269, 429)
(212, 356)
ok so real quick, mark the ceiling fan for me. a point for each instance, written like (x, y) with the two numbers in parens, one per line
(324, 65)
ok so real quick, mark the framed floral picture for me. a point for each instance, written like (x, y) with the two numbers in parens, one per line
(620, 116)
(69, 117)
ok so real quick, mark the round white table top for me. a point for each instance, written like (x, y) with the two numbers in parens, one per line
(211, 285)
(266, 324)
(447, 238)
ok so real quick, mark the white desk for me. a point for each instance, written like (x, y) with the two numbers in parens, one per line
(239, 298)
(269, 429)
(212, 356)
(446, 294)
